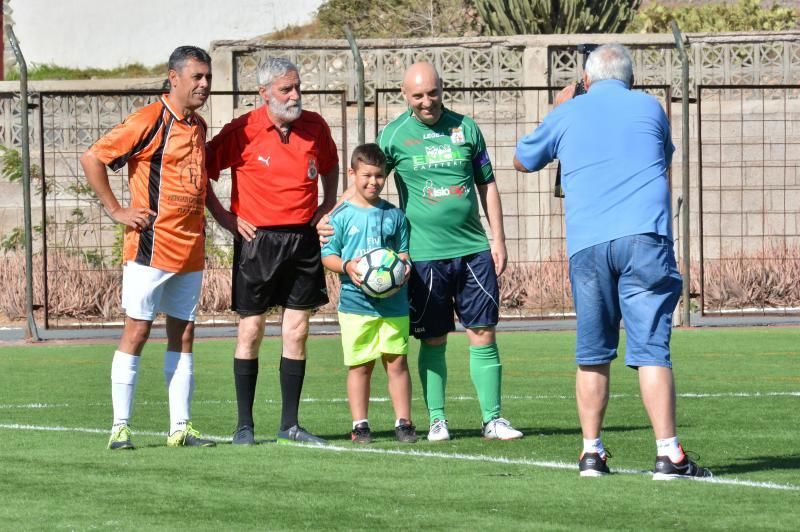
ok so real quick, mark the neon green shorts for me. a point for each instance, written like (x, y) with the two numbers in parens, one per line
(367, 338)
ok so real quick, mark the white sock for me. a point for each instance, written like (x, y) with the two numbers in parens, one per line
(124, 373)
(594, 446)
(359, 421)
(179, 376)
(670, 447)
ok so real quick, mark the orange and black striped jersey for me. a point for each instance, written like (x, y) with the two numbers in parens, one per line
(165, 154)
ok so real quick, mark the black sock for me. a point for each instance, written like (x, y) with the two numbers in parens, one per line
(245, 375)
(292, 373)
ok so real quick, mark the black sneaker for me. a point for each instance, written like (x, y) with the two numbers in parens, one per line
(594, 465)
(297, 434)
(666, 469)
(244, 435)
(361, 434)
(405, 432)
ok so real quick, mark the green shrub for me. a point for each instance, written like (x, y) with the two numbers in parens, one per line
(397, 18)
(519, 17)
(744, 15)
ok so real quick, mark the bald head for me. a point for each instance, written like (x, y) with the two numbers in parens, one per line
(422, 90)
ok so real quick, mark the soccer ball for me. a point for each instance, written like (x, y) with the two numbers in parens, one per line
(382, 272)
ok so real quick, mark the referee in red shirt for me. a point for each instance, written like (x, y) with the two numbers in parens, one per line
(277, 153)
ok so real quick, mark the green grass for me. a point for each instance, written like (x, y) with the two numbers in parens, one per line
(50, 71)
(739, 397)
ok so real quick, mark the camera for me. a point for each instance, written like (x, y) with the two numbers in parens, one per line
(583, 49)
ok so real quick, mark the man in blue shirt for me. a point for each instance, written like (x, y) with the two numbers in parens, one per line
(615, 148)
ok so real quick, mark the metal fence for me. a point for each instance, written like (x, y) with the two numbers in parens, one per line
(536, 284)
(746, 253)
(749, 199)
(79, 246)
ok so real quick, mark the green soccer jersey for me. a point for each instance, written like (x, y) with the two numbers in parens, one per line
(436, 170)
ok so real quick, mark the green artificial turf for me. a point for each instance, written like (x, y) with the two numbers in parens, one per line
(738, 398)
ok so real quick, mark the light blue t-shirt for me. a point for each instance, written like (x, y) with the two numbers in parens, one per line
(358, 230)
(614, 146)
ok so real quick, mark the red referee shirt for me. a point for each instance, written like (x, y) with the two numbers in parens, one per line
(274, 177)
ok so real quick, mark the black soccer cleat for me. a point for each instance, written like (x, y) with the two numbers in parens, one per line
(297, 434)
(361, 434)
(405, 432)
(594, 465)
(666, 469)
(244, 435)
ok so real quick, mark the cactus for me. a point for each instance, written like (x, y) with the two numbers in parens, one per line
(512, 17)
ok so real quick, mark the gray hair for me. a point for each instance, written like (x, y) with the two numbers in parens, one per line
(610, 61)
(181, 54)
(273, 68)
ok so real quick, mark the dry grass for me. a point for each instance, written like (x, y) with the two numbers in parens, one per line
(766, 279)
(75, 288)
(537, 288)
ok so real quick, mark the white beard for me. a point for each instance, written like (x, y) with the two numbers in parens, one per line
(288, 112)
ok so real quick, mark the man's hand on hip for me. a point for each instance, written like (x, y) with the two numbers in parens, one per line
(135, 217)
(245, 228)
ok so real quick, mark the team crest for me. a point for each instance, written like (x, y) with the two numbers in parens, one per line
(312, 169)
(457, 135)
(192, 178)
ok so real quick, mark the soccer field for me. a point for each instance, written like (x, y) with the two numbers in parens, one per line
(738, 403)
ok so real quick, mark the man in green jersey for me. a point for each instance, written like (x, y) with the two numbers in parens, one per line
(441, 169)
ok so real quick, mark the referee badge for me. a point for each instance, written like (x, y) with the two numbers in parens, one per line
(312, 169)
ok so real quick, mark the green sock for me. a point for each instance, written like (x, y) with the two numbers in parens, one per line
(486, 372)
(433, 374)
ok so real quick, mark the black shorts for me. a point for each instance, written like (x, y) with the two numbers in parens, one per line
(281, 266)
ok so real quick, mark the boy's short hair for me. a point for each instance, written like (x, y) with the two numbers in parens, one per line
(370, 154)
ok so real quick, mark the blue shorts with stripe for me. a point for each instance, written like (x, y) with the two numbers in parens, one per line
(465, 285)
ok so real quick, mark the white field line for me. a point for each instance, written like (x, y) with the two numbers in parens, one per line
(756, 395)
(426, 454)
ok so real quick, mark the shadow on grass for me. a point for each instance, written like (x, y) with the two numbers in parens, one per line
(759, 463)
(576, 430)
(456, 433)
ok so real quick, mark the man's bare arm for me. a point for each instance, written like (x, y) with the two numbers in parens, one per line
(97, 177)
(228, 220)
(493, 207)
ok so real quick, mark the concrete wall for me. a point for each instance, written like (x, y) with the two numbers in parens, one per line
(110, 33)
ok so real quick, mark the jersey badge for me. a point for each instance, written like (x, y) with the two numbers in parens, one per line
(457, 135)
(312, 169)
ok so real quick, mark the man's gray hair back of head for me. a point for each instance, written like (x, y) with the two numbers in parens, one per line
(273, 68)
(610, 61)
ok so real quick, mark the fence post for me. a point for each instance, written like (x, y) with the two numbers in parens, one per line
(31, 332)
(359, 64)
(685, 233)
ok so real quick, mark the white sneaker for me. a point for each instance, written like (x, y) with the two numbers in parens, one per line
(500, 429)
(439, 431)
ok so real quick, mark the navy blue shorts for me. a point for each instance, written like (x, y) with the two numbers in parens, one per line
(464, 285)
(633, 278)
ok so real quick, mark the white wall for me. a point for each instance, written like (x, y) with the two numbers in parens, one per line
(110, 33)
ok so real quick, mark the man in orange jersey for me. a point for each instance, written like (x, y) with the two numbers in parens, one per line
(276, 154)
(163, 145)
